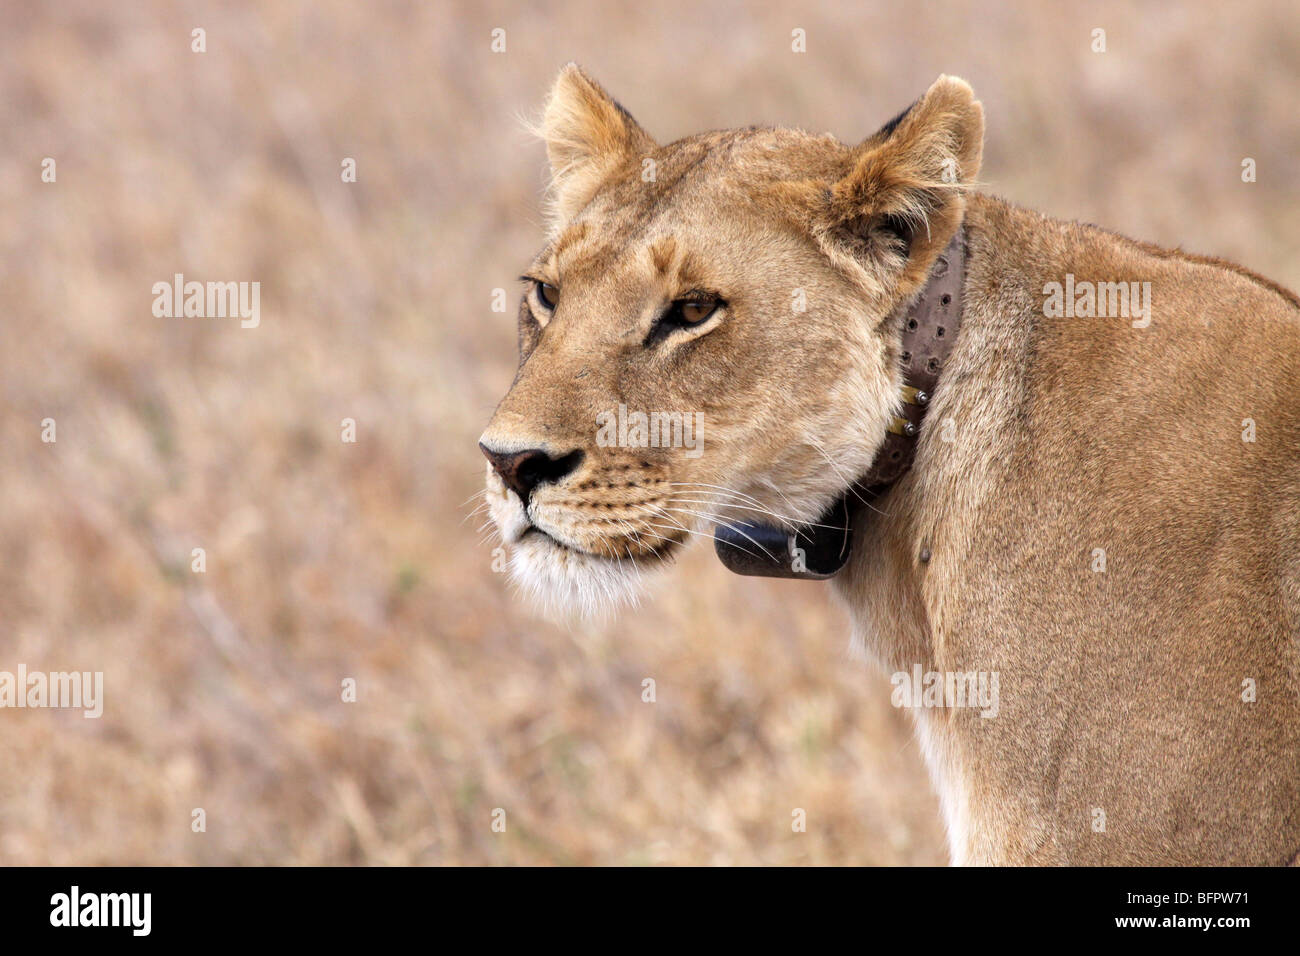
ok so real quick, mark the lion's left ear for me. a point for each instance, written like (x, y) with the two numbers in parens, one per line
(906, 189)
(588, 136)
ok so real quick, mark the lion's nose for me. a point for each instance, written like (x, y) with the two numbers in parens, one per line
(522, 471)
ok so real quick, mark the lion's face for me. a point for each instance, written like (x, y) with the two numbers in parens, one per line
(697, 347)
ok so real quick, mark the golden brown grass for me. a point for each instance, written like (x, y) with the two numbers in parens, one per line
(329, 560)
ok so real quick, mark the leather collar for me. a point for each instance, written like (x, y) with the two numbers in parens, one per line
(929, 331)
(930, 328)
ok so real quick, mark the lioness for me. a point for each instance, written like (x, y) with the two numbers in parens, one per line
(1103, 510)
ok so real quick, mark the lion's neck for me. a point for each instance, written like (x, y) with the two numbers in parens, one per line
(909, 554)
(927, 514)
(1068, 490)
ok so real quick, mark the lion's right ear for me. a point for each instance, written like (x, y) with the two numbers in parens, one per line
(904, 193)
(588, 136)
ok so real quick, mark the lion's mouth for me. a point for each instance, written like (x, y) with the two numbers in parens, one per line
(533, 529)
(612, 552)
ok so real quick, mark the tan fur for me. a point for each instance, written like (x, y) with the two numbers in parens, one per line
(1121, 690)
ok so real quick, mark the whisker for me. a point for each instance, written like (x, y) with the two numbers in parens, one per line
(729, 491)
(730, 527)
(760, 506)
(481, 491)
(765, 511)
(677, 526)
(839, 474)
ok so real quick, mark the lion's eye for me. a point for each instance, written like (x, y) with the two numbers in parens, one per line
(548, 295)
(686, 313)
(692, 312)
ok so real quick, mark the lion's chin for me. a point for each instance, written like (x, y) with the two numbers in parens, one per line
(567, 584)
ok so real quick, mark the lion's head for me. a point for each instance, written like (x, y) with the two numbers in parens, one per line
(704, 336)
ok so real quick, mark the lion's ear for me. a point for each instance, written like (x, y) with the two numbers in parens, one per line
(588, 135)
(904, 195)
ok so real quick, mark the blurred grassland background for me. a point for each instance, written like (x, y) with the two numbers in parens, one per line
(329, 560)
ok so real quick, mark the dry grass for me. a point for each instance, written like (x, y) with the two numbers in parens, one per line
(329, 560)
